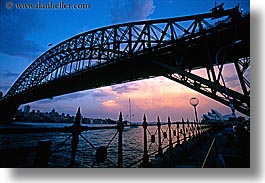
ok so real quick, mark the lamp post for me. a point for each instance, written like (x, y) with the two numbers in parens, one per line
(217, 63)
(194, 102)
(223, 48)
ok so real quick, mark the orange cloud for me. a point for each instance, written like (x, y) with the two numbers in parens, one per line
(111, 104)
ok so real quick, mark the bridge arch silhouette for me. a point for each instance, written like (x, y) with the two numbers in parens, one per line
(171, 47)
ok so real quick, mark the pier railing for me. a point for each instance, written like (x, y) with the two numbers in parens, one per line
(169, 134)
(157, 137)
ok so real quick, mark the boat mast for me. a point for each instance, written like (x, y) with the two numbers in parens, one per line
(130, 112)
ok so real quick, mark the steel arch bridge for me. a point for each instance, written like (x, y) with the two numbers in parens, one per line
(170, 47)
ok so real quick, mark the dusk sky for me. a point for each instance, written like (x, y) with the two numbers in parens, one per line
(25, 34)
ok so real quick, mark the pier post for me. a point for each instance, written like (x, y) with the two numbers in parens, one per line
(169, 133)
(189, 129)
(160, 151)
(183, 130)
(145, 156)
(42, 154)
(195, 128)
(198, 128)
(178, 139)
(192, 127)
(75, 142)
(201, 128)
(76, 130)
(120, 129)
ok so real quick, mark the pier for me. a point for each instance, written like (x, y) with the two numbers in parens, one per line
(165, 145)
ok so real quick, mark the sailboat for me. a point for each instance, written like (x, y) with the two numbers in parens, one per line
(130, 123)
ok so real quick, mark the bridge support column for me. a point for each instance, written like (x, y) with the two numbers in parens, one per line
(8, 109)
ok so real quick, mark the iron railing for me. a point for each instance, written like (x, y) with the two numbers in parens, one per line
(157, 137)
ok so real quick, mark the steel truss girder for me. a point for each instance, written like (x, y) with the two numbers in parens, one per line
(208, 88)
(242, 66)
(115, 43)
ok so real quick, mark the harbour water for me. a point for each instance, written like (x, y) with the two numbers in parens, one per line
(60, 155)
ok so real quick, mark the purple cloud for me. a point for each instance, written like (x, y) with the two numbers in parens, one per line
(125, 88)
(7, 74)
(99, 94)
(231, 79)
(4, 87)
(134, 10)
(67, 97)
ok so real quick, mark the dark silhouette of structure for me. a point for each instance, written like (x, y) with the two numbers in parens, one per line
(171, 47)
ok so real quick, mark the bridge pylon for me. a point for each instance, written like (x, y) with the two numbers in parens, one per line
(7, 110)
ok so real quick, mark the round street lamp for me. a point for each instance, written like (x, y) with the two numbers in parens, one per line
(194, 102)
